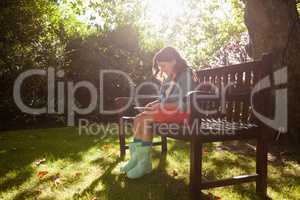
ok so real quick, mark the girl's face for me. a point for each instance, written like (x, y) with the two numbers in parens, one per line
(166, 66)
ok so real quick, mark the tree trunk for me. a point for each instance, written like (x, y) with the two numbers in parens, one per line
(274, 27)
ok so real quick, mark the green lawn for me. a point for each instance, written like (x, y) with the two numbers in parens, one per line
(86, 166)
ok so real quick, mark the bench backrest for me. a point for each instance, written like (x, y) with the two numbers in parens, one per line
(235, 84)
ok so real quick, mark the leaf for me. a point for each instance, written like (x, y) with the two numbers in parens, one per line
(107, 146)
(78, 174)
(40, 161)
(174, 172)
(94, 198)
(210, 196)
(56, 180)
(41, 174)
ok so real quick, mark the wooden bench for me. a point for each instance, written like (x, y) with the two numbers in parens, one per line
(231, 119)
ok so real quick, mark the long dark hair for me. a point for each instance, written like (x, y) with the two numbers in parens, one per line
(168, 54)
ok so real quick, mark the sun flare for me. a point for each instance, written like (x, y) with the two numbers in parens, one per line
(159, 11)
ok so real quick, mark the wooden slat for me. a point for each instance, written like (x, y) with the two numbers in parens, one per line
(128, 118)
(238, 68)
(237, 111)
(230, 110)
(229, 181)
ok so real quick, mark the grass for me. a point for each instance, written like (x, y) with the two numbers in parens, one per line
(87, 166)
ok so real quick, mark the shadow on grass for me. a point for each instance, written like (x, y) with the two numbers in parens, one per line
(21, 149)
(159, 184)
(246, 153)
(15, 181)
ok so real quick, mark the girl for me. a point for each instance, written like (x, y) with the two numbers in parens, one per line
(177, 80)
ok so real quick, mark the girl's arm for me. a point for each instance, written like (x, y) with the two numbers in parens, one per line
(167, 106)
(152, 103)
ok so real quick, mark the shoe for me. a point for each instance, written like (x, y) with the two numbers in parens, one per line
(133, 158)
(144, 165)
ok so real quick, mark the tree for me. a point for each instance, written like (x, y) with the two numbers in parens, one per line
(274, 27)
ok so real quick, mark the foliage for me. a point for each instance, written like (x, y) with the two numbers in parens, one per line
(198, 30)
(83, 37)
(202, 29)
(233, 52)
(31, 37)
(109, 51)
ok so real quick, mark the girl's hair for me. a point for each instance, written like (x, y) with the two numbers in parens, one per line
(168, 54)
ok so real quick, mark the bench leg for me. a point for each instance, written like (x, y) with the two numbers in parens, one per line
(261, 167)
(122, 139)
(195, 169)
(164, 144)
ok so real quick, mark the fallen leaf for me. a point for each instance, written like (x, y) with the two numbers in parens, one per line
(218, 198)
(210, 196)
(38, 192)
(56, 180)
(94, 198)
(41, 174)
(40, 161)
(96, 140)
(53, 177)
(107, 146)
(174, 172)
(78, 174)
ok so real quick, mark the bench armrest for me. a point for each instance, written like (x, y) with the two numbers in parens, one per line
(201, 95)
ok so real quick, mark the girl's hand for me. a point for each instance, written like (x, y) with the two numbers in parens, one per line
(152, 109)
(151, 104)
